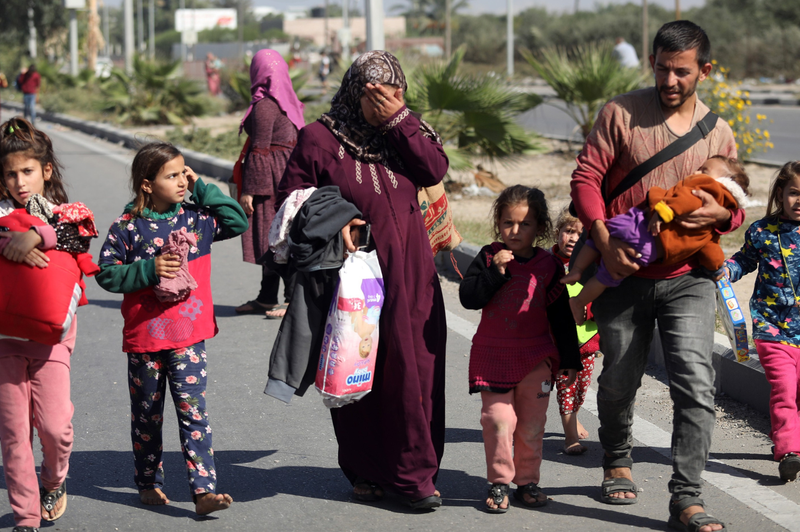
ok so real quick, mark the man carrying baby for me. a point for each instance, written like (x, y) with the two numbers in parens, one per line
(629, 130)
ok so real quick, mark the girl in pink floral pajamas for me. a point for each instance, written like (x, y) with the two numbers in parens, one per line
(165, 339)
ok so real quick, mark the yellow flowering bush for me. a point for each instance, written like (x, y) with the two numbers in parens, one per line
(732, 104)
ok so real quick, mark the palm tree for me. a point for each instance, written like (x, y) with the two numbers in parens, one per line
(154, 93)
(584, 78)
(474, 114)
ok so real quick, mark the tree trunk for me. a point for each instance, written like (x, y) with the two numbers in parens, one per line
(94, 39)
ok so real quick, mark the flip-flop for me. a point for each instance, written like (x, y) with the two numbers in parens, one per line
(255, 307)
(282, 306)
(49, 500)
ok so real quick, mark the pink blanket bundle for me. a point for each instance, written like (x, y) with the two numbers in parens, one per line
(177, 289)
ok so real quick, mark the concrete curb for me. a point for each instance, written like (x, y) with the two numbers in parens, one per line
(201, 163)
(742, 381)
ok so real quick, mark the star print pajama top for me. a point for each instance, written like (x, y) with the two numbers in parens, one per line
(772, 306)
(165, 340)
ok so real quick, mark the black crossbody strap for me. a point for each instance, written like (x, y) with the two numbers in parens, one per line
(699, 131)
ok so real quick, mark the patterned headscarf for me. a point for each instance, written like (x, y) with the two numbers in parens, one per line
(269, 76)
(346, 119)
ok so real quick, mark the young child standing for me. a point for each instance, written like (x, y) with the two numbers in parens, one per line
(770, 245)
(525, 336)
(722, 177)
(164, 338)
(570, 398)
(34, 380)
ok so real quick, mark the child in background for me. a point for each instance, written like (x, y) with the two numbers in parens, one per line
(525, 336)
(770, 244)
(35, 378)
(165, 341)
(722, 177)
(570, 398)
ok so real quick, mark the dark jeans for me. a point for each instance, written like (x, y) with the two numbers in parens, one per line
(683, 307)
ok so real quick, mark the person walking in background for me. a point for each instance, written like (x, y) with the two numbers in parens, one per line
(768, 246)
(570, 397)
(378, 153)
(164, 333)
(629, 130)
(3, 83)
(213, 66)
(29, 83)
(525, 337)
(35, 379)
(625, 53)
(271, 122)
(324, 70)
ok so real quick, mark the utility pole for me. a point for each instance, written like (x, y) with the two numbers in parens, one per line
(73, 42)
(151, 12)
(183, 29)
(577, 5)
(448, 29)
(645, 39)
(510, 39)
(677, 9)
(140, 26)
(31, 32)
(376, 39)
(128, 36)
(239, 26)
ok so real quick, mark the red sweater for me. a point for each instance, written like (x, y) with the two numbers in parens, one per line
(31, 82)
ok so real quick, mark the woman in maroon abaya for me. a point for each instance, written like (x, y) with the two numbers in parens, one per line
(272, 121)
(377, 152)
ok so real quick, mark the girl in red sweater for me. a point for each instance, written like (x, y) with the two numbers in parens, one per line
(526, 336)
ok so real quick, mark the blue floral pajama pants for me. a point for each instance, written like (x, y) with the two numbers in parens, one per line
(148, 374)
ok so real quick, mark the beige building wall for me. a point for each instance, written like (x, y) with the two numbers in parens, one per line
(314, 28)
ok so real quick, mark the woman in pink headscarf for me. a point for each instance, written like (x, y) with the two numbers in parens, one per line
(272, 121)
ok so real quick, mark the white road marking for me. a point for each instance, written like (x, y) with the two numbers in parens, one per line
(768, 503)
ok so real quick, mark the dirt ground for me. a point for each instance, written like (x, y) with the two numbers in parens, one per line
(551, 173)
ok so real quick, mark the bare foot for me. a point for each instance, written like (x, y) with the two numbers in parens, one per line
(153, 497)
(58, 510)
(690, 511)
(578, 310)
(620, 472)
(574, 448)
(582, 432)
(205, 503)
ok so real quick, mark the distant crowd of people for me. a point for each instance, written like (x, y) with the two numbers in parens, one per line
(655, 186)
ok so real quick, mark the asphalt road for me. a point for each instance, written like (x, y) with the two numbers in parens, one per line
(279, 462)
(783, 124)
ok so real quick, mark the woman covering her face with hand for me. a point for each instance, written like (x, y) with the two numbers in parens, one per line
(378, 152)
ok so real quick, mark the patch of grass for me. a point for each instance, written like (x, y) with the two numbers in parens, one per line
(474, 231)
(313, 110)
(733, 242)
(226, 145)
(80, 102)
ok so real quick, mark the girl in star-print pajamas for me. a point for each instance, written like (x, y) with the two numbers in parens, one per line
(165, 339)
(772, 245)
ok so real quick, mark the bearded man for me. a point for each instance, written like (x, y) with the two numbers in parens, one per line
(680, 298)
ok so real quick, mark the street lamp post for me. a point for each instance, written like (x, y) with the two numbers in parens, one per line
(31, 32)
(375, 36)
(128, 36)
(140, 26)
(645, 39)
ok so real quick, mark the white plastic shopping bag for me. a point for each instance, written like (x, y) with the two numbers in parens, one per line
(350, 345)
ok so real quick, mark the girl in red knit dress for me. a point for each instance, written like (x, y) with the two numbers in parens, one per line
(526, 336)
